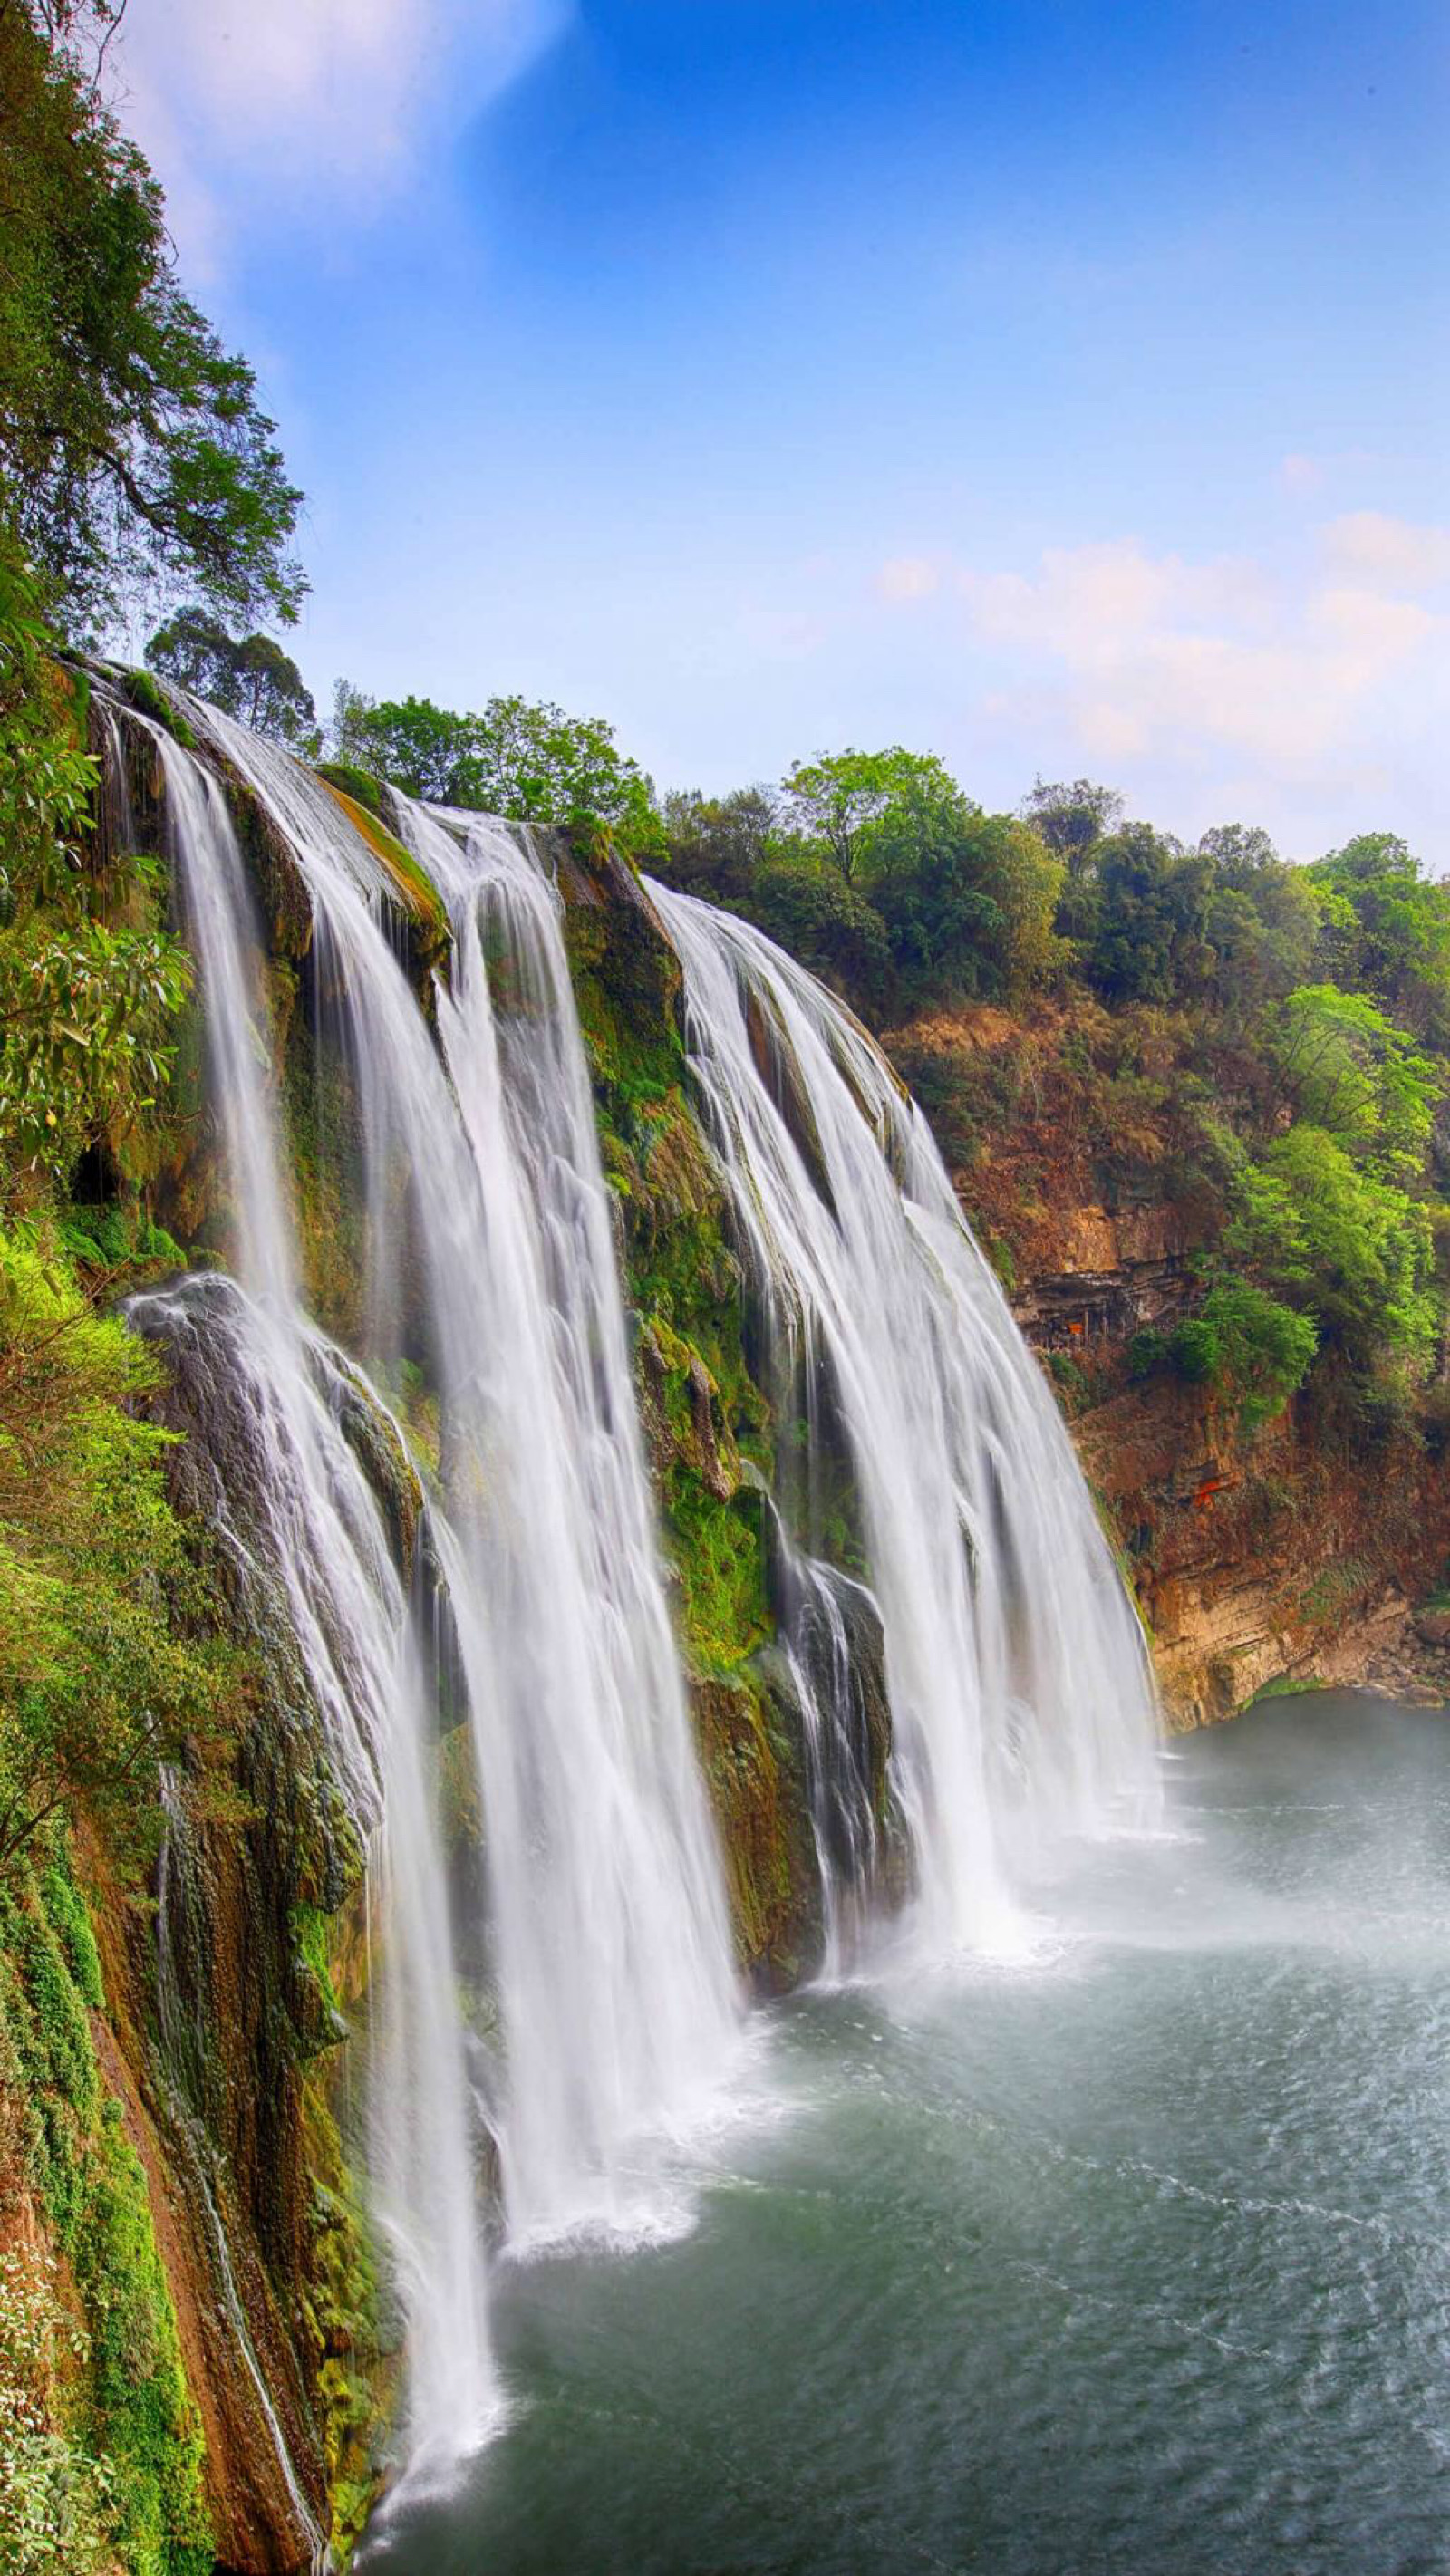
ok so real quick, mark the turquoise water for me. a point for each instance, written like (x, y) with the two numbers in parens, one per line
(1136, 2256)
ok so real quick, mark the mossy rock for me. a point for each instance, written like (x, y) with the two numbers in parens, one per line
(752, 1770)
(148, 697)
(358, 784)
(411, 884)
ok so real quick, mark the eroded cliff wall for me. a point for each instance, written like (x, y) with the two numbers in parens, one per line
(1294, 1550)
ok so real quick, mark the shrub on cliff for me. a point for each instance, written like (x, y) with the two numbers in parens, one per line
(98, 1681)
(1242, 1344)
(1250, 1344)
(90, 980)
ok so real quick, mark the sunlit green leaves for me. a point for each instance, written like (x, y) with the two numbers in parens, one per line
(133, 450)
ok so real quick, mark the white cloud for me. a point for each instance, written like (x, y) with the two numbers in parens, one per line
(1277, 674)
(1160, 655)
(260, 113)
(905, 577)
(1386, 553)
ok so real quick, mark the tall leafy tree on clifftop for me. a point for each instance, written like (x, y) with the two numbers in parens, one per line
(249, 677)
(133, 449)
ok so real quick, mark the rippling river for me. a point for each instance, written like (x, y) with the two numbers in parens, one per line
(1132, 2257)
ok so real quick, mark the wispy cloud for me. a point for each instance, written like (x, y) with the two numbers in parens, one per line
(907, 577)
(262, 114)
(1274, 671)
(1389, 554)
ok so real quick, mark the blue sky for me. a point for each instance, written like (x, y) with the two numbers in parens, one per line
(1059, 388)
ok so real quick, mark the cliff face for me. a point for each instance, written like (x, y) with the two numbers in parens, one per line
(1293, 1551)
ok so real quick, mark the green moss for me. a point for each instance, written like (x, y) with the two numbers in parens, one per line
(718, 1554)
(134, 2408)
(318, 2018)
(753, 1772)
(150, 699)
(1000, 1255)
(341, 2308)
(1289, 1686)
(66, 1913)
(46, 2017)
(142, 2415)
(321, 1118)
(358, 784)
(120, 1235)
(419, 895)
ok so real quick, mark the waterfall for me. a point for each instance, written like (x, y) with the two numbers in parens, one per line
(491, 1254)
(273, 1412)
(1021, 1699)
(562, 2001)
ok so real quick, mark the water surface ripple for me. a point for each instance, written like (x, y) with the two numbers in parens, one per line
(1135, 2257)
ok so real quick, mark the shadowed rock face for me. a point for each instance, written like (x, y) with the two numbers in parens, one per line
(248, 2052)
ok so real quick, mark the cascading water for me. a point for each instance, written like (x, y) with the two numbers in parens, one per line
(1020, 1692)
(607, 1934)
(822, 1612)
(929, 1517)
(275, 1411)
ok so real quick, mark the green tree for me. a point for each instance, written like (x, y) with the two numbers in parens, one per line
(1354, 1249)
(1344, 1067)
(806, 904)
(717, 845)
(132, 446)
(416, 745)
(968, 898)
(1073, 819)
(1387, 929)
(88, 1002)
(532, 764)
(535, 764)
(250, 678)
(1148, 926)
(1242, 855)
(1262, 921)
(837, 798)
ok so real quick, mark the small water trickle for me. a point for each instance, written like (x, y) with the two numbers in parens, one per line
(183, 2038)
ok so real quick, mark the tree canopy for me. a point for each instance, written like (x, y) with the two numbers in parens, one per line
(530, 763)
(249, 677)
(1073, 819)
(836, 797)
(134, 452)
